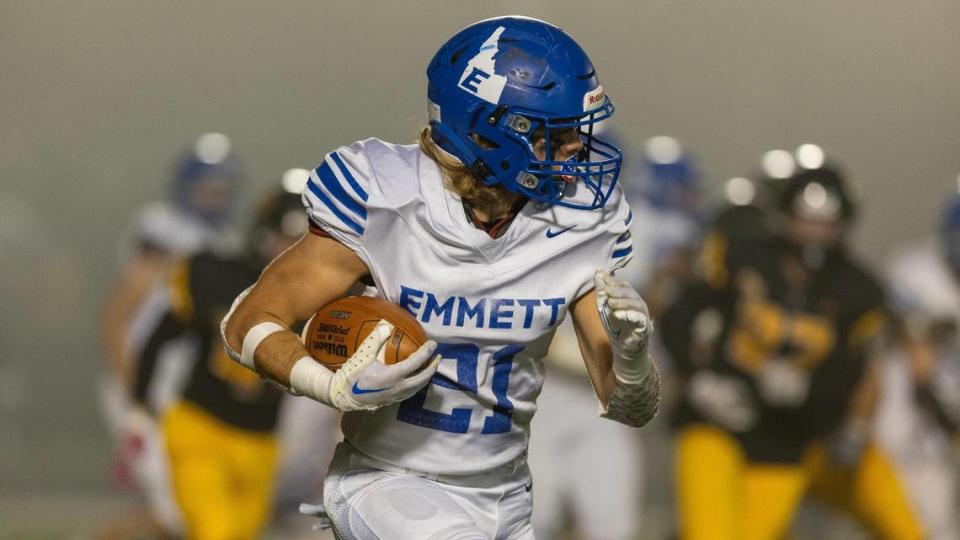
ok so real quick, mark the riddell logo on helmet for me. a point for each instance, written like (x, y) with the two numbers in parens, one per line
(593, 98)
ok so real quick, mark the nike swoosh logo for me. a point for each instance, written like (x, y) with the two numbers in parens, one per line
(551, 234)
(357, 390)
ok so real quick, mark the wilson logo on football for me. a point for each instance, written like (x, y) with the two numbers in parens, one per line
(334, 349)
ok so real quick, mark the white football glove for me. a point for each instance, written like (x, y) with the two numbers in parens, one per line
(365, 382)
(627, 321)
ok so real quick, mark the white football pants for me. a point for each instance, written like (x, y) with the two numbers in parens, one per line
(367, 499)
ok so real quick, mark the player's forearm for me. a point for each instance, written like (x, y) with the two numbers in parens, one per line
(276, 354)
(633, 397)
(597, 358)
(270, 348)
(624, 377)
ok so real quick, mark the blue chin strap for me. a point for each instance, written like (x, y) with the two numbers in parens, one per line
(446, 138)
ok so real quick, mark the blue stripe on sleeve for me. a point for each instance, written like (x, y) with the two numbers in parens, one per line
(336, 190)
(629, 218)
(349, 177)
(622, 237)
(622, 252)
(315, 189)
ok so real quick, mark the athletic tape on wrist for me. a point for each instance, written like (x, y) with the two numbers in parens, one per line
(253, 339)
(311, 379)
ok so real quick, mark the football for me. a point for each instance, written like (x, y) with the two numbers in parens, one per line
(334, 332)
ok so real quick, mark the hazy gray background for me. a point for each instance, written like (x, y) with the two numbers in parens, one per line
(98, 98)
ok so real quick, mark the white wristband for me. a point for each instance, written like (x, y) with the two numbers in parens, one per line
(253, 338)
(312, 379)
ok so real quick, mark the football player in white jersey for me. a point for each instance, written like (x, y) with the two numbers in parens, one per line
(918, 419)
(504, 219)
(203, 195)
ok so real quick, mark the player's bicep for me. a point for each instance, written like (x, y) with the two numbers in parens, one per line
(309, 275)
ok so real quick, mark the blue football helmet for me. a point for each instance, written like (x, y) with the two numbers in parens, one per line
(206, 180)
(672, 181)
(498, 86)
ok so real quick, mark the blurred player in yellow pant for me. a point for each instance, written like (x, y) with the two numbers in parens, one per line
(722, 495)
(222, 475)
(220, 437)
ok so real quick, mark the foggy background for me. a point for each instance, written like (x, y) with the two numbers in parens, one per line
(97, 99)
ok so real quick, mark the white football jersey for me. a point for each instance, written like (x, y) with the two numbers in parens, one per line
(491, 304)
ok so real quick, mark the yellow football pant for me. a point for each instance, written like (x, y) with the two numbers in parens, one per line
(871, 492)
(222, 475)
(722, 496)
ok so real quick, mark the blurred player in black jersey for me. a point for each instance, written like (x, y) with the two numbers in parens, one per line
(220, 435)
(773, 342)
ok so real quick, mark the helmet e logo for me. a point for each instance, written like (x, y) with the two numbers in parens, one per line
(480, 76)
(475, 77)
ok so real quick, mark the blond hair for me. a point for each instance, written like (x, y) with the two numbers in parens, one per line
(496, 201)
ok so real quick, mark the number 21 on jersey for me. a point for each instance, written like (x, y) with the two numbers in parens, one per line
(466, 356)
